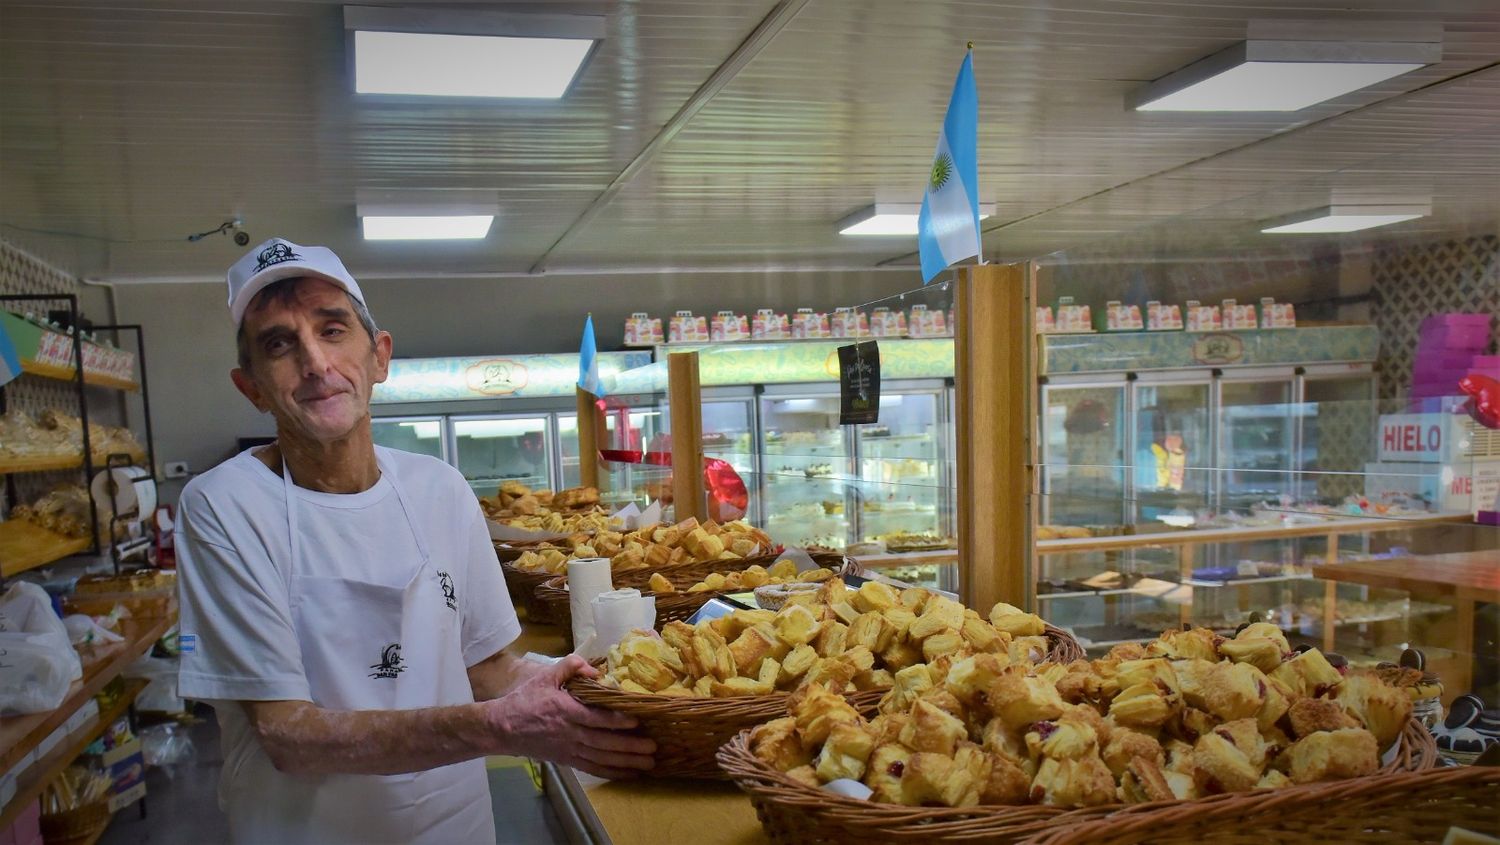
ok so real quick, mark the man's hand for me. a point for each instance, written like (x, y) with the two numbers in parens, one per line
(539, 719)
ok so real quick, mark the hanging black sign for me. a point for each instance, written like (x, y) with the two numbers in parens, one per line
(859, 383)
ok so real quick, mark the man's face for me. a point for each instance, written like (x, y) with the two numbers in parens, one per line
(312, 365)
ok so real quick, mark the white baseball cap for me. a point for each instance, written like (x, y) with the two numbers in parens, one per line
(279, 259)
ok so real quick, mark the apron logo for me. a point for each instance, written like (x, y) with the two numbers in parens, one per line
(450, 597)
(390, 663)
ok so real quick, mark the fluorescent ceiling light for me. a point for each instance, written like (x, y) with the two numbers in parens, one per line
(1268, 75)
(891, 219)
(427, 228)
(1343, 218)
(429, 64)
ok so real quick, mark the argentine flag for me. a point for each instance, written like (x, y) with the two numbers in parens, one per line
(588, 361)
(10, 362)
(948, 227)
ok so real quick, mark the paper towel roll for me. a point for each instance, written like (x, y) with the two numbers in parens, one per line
(134, 492)
(618, 612)
(587, 578)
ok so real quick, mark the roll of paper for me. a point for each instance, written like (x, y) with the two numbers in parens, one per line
(617, 613)
(134, 492)
(587, 579)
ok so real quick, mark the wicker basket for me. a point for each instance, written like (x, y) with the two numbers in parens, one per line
(552, 597)
(690, 731)
(75, 825)
(792, 812)
(522, 584)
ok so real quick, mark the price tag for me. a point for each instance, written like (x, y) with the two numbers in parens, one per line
(859, 383)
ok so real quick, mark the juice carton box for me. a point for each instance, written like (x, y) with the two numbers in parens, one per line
(1239, 317)
(728, 326)
(1162, 318)
(1119, 317)
(769, 325)
(1045, 324)
(1203, 318)
(1072, 317)
(1277, 315)
(687, 328)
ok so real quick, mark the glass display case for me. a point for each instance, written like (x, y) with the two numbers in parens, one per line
(901, 470)
(422, 435)
(490, 450)
(807, 468)
(1083, 450)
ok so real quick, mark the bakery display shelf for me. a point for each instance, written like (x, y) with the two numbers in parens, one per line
(32, 780)
(1186, 582)
(53, 371)
(1197, 536)
(19, 735)
(1246, 581)
(887, 560)
(25, 545)
(48, 463)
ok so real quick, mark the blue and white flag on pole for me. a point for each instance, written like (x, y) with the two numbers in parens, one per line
(588, 360)
(948, 228)
(10, 362)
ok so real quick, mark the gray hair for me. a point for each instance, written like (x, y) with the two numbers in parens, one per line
(285, 292)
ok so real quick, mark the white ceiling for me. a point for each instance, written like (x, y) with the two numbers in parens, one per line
(710, 133)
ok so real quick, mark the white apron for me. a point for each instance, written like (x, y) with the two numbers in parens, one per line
(369, 646)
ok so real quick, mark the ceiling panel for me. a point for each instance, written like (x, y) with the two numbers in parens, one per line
(139, 122)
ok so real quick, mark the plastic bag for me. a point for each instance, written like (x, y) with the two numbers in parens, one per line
(35, 674)
(37, 660)
(160, 694)
(84, 631)
(166, 746)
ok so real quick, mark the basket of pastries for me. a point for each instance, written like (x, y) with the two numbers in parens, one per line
(989, 747)
(693, 687)
(681, 590)
(515, 503)
(708, 546)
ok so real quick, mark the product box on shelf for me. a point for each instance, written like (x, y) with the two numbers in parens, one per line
(728, 326)
(887, 323)
(127, 769)
(687, 328)
(1119, 317)
(922, 321)
(807, 323)
(769, 325)
(847, 322)
(1237, 317)
(1071, 317)
(1045, 324)
(1203, 318)
(642, 330)
(1163, 318)
(1277, 315)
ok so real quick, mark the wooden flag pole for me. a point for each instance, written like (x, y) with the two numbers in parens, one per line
(685, 402)
(993, 348)
(588, 439)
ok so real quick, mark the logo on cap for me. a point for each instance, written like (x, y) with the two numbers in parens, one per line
(275, 254)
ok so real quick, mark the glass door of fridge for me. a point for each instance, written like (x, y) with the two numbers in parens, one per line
(901, 473)
(1335, 432)
(628, 426)
(1083, 453)
(729, 435)
(422, 435)
(1256, 429)
(1171, 447)
(806, 470)
(491, 450)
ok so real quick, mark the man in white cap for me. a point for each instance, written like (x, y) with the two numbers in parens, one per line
(342, 607)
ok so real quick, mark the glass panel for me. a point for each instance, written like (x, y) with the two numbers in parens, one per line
(1255, 443)
(498, 449)
(1084, 455)
(567, 435)
(900, 463)
(1338, 419)
(423, 436)
(807, 469)
(729, 436)
(1171, 442)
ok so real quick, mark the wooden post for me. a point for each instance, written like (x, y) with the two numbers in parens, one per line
(993, 348)
(685, 402)
(588, 439)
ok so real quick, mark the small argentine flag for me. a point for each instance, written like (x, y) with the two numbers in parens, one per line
(588, 361)
(10, 362)
(948, 227)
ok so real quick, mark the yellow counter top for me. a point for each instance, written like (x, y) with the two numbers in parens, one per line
(640, 812)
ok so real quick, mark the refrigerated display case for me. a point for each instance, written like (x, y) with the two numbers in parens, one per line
(490, 450)
(422, 435)
(1083, 450)
(902, 468)
(807, 462)
(1255, 436)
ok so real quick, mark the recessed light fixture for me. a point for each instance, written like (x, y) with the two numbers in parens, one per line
(1343, 218)
(891, 219)
(1285, 74)
(457, 53)
(454, 227)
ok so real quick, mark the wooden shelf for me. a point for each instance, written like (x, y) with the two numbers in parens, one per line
(893, 559)
(25, 545)
(19, 735)
(56, 462)
(1193, 537)
(53, 371)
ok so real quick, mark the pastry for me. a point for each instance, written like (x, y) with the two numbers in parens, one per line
(777, 744)
(1332, 755)
(845, 753)
(1020, 699)
(1310, 715)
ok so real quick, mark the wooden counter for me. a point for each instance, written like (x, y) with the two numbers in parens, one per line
(645, 811)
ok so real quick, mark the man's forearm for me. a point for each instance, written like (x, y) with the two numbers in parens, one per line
(302, 738)
(499, 674)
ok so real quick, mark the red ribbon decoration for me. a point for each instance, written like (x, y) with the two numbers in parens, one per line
(1484, 399)
(728, 497)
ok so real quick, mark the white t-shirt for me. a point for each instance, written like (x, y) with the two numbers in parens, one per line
(234, 574)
